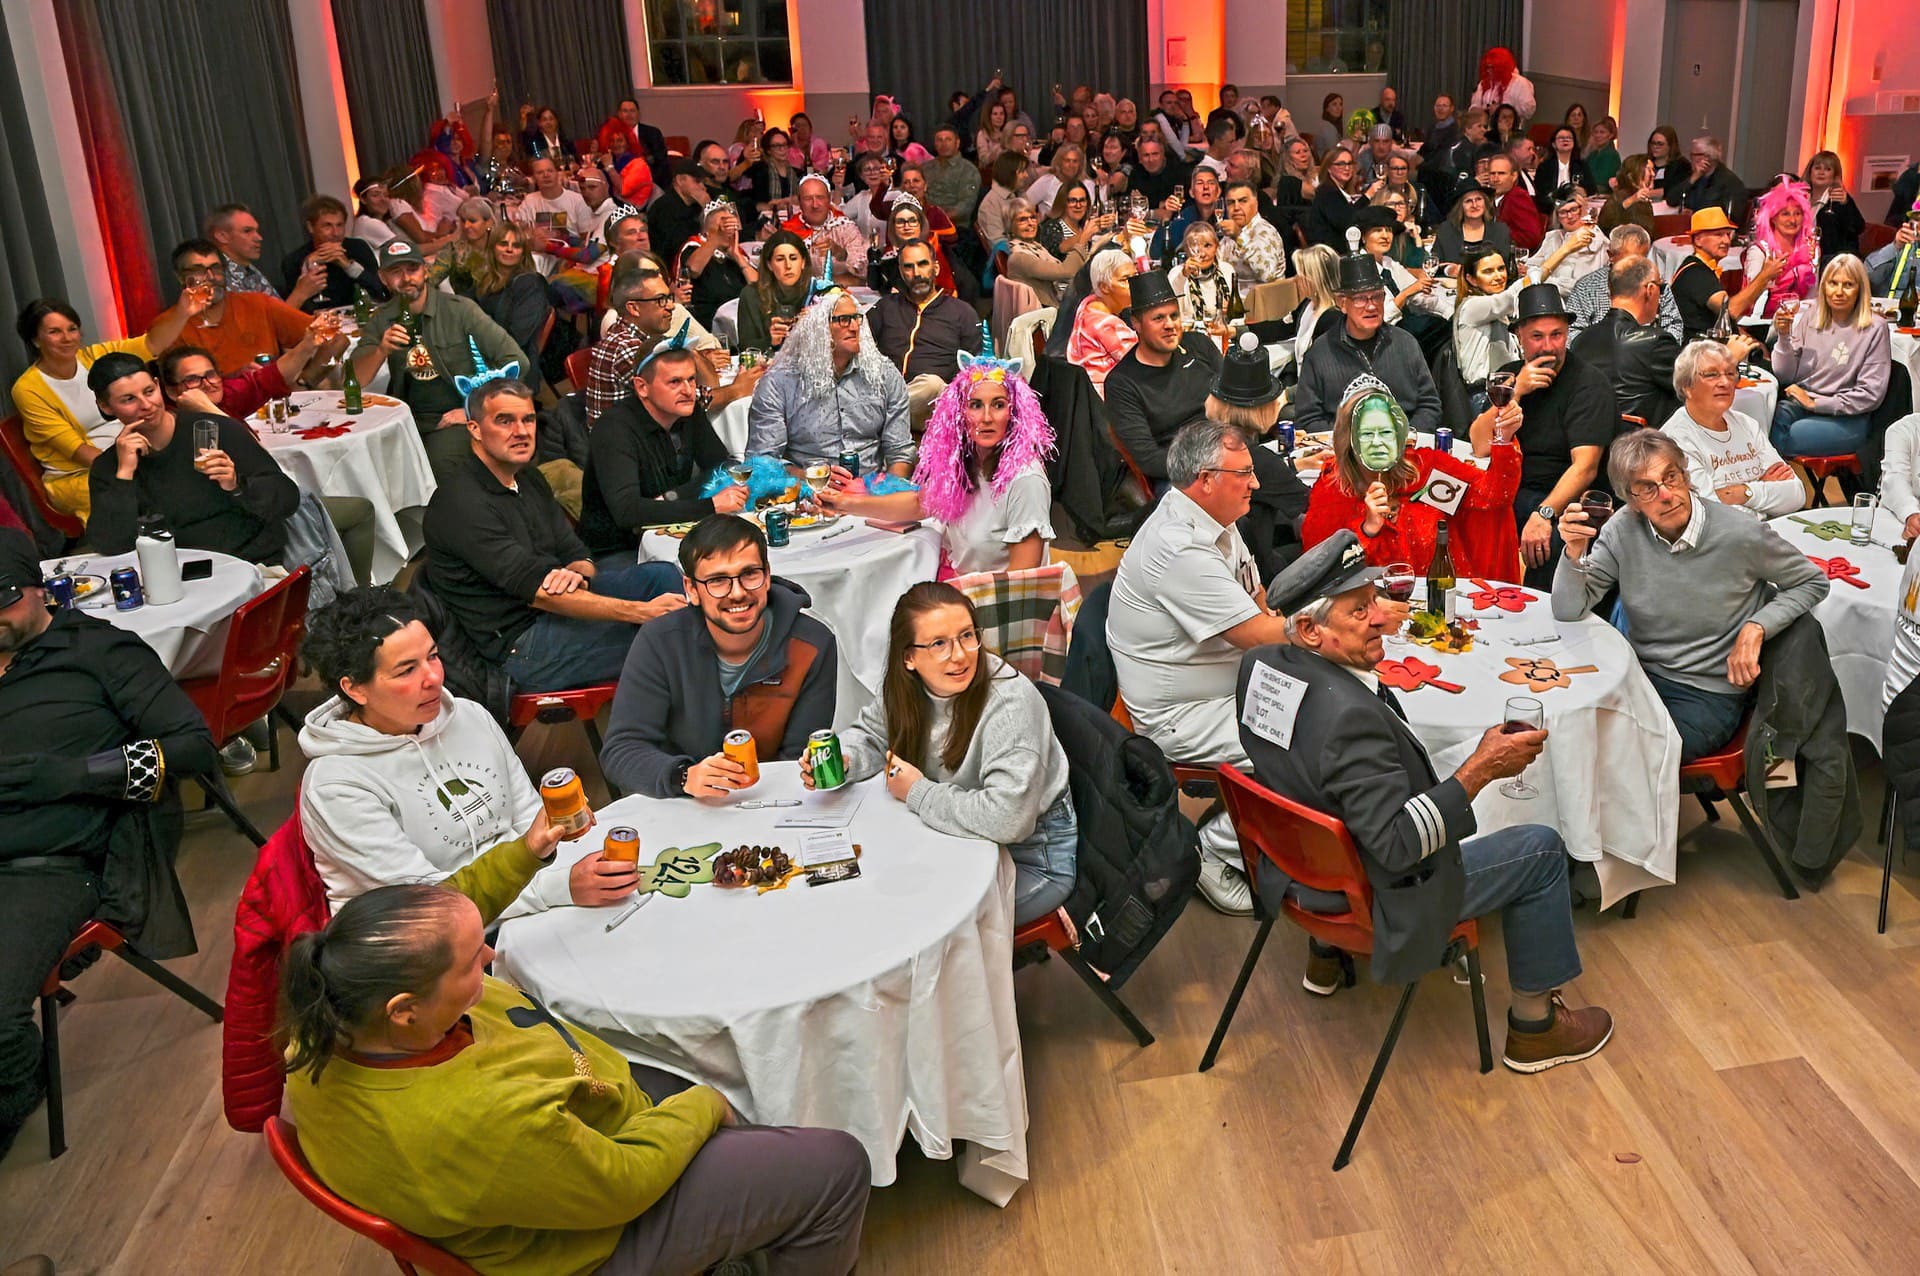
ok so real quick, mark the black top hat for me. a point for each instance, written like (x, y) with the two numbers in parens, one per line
(1376, 217)
(1358, 273)
(1246, 377)
(1540, 301)
(19, 566)
(1148, 289)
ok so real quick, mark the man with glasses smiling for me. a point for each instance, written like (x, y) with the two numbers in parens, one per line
(237, 326)
(1365, 343)
(743, 657)
(1702, 586)
(643, 305)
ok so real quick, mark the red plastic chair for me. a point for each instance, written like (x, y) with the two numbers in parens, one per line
(411, 1254)
(13, 441)
(1723, 775)
(1056, 931)
(260, 659)
(1133, 467)
(1821, 468)
(577, 364)
(1195, 781)
(582, 705)
(97, 934)
(1315, 850)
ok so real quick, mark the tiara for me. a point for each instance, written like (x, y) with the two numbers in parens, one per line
(902, 199)
(719, 205)
(1366, 383)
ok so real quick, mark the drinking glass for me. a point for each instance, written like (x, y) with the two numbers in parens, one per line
(1500, 388)
(206, 437)
(1598, 507)
(1523, 713)
(1864, 507)
(1396, 585)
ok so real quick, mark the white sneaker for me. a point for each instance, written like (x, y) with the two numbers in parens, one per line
(1225, 887)
(239, 757)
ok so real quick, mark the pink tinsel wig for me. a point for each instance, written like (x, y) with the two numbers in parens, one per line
(1799, 277)
(945, 470)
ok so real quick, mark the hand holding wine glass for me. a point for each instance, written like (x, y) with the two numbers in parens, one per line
(1524, 716)
(1396, 587)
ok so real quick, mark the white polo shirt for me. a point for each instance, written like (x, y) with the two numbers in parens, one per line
(1183, 582)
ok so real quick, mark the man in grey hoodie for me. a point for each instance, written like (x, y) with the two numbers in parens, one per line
(743, 657)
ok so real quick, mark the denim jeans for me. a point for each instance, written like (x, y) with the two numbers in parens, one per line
(1800, 431)
(1045, 862)
(1706, 719)
(558, 653)
(1522, 871)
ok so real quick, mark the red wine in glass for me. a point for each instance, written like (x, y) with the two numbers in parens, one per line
(1499, 391)
(1400, 589)
(1515, 728)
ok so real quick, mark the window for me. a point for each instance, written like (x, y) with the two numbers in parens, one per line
(695, 42)
(1336, 37)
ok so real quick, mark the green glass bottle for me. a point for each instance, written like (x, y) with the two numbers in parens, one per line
(350, 389)
(362, 308)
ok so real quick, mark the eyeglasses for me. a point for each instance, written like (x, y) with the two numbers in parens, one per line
(750, 581)
(967, 639)
(661, 299)
(208, 378)
(1245, 471)
(844, 321)
(1724, 374)
(196, 274)
(1645, 490)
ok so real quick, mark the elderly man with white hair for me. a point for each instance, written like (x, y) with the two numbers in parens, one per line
(830, 392)
(1728, 454)
(1589, 300)
(1711, 184)
(1702, 585)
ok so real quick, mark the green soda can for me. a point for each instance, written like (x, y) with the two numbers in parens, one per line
(823, 752)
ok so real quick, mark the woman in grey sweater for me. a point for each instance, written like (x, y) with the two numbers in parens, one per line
(968, 746)
(1834, 358)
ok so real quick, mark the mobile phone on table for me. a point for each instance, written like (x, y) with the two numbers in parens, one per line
(196, 569)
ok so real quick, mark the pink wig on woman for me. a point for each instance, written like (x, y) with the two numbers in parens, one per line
(945, 470)
(1801, 273)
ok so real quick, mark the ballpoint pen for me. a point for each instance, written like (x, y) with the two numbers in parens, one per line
(761, 804)
(638, 904)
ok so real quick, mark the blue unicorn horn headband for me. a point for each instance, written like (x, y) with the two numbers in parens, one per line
(509, 371)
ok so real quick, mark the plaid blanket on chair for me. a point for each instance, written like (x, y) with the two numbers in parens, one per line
(1026, 617)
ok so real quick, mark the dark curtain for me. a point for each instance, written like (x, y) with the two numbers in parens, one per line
(578, 66)
(28, 266)
(1434, 46)
(388, 66)
(209, 102)
(920, 51)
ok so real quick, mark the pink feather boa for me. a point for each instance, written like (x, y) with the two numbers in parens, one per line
(945, 470)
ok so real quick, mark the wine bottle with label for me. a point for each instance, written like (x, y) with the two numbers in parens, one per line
(1440, 576)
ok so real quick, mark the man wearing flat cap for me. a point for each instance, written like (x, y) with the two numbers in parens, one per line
(1321, 730)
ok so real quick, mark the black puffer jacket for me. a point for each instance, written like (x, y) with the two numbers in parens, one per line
(1798, 713)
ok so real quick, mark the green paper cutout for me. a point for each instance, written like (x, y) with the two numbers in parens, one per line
(1827, 530)
(676, 872)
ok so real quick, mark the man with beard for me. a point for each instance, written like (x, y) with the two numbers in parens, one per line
(742, 657)
(515, 579)
(1156, 176)
(95, 728)
(922, 330)
(426, 338)
(237, 327)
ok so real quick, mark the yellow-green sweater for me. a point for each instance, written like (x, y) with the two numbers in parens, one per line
(504, 1154)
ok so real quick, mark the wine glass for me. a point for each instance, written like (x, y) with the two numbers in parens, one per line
(1598, 507)
(1396, 585)
(1501, 387)
(742, 473)
(1523, 713)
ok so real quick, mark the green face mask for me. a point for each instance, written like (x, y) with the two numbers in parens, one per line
(1377, 437)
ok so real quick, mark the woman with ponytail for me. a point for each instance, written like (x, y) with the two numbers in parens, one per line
(465, 1111)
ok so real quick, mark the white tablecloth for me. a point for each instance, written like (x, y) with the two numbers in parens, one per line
(1906, 349)
(1609, 779)
(1759, 399)
(379, 459)
(1858, 622)
(879, 1006)
(854, 576)
(188, 635)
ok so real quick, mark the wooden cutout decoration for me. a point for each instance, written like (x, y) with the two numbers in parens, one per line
(323, 431)
(1541, 675)
(1826, 530)
(676, 872)
(1839, 569)
(1505, 597)
(1412, 674)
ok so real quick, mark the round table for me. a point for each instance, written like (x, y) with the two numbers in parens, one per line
(854, 574)
(188, 635)
(1906, 350)
(878, 1006)
(1858, 622)
(1609, 779)
(1759, 398)
(379, 458)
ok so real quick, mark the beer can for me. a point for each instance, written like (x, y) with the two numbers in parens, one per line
(850, 462)
(566, 801)
(1443, 440)
(778, 534)
(823, 752)
(623, 844)
(125, 582)
(1286, 436)
(739, 745)
(59, 590)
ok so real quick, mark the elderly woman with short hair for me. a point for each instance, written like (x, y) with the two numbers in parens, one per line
(1203, 282)
(1728, 455)
(1702, 587)
(1101, 336)
(1028, 260)
(1834, 358)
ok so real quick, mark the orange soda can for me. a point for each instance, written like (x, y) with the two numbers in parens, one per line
(623, 844)
(740, 747)
(566, 801)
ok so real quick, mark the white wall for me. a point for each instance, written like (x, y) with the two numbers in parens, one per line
(1569, 39)
(323, 97)
(1256, 36)
(1874, 52)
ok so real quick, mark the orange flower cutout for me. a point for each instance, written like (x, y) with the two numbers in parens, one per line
(1541, 674)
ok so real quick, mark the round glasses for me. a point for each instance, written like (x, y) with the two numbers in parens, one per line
(750, 580)
(941, 648)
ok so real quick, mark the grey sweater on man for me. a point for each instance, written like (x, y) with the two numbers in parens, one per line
(1013, 769)
(1332, 362)
(1685, 608)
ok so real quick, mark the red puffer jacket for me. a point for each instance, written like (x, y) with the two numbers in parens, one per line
(283, 899)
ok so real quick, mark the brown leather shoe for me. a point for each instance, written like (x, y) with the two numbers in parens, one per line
(1572, 1035)
(1327, 971)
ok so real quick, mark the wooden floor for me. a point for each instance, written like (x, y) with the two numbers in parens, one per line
(1758, 1109)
